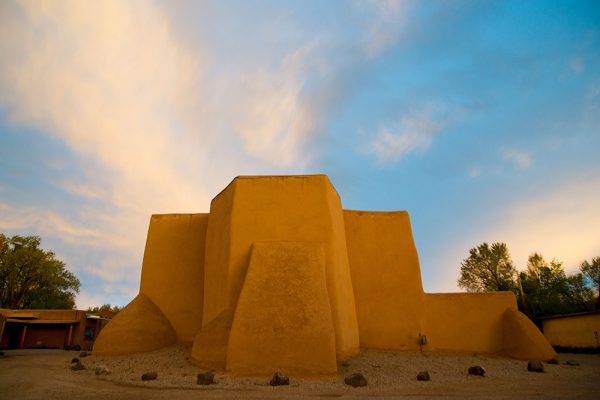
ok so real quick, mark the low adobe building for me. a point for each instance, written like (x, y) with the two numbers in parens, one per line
(279, 277)
(48, 329)
(573, 331)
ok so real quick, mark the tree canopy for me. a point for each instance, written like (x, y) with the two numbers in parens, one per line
(592, 272)
(31, 277)
(544, 288)
(488, 268)
(105, 310)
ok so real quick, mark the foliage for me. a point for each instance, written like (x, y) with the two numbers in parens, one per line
(549, 291)
(488, 268)
(33, 278)
(105, 310)
(544, 288)
(592, 272)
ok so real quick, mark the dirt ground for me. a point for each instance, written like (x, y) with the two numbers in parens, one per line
(47, 374)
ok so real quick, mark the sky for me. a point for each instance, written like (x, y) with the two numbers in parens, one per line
(481, 118)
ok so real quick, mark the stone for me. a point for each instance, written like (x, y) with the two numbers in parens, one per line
(1, 353)
(150, 376)
(74, 360)
(476, 370)
(552, 361)
(83, 354)
(78, 366)
(423, 376)
(279, 379)
(206, 378)
(355, 380)
(535, 366)
(571, 362)
(102, 370)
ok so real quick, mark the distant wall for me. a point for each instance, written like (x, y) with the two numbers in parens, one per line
(573, 331)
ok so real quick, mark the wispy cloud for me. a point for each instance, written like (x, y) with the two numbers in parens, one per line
(121, 87)
(384, 21)
(415, 132)
(519, 158)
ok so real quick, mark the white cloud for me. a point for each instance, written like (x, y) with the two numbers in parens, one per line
(159, 127)
(275, 119)
(415, 131)
(520, 159)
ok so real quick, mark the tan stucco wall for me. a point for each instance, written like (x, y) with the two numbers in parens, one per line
(468, 322)
(139, 327)
(283, 317)
(386, 279)
(202, 281)
(573, 331)
(257, 209)
(173, 270)
(521, 339)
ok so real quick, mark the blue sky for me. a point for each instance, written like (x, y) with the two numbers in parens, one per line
(480, 118)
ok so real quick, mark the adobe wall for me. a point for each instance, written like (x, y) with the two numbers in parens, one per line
(296, 208)
(168, 308)
(466, 322)
(237, 281)
(173, 270)
(283, 317)
(573, 331)
(386, 278)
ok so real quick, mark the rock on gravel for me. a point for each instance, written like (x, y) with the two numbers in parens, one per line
(476, 370)
(355, 380)
(78, 366)
(102, 370)
(535, 366)
(206, 378)
(553, 361)
(279, 379)
(74, 360)
(423, 376)
(150, 376)
(571, 362)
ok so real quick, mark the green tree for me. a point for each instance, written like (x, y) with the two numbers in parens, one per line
(592, 272)
(580, 295)
(105, 310)
(33, 278)
(545, 285)
(488, 268)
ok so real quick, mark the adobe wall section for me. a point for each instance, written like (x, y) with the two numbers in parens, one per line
(283, 318)
(292, 208)
(386, 277)
(173, 270)
(139, 327)
(466, 322)
(573, 330)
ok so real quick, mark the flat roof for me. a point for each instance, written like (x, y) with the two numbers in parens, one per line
(43, 321)
(579, 314)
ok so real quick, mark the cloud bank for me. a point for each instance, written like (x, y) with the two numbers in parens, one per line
(154, 125)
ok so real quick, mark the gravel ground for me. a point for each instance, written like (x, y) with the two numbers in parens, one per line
(33, 374)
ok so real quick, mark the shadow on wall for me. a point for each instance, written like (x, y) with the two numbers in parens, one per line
(278, 262)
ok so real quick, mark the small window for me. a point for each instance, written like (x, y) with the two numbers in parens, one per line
(89, 333)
